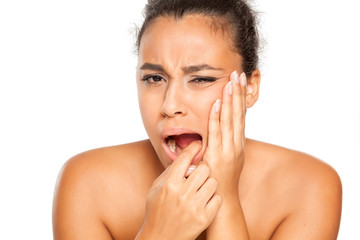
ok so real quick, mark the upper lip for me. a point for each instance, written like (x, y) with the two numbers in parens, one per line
(176, 131)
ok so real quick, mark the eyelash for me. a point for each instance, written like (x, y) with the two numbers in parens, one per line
(147, 77)
(203, 80)
(199, 80)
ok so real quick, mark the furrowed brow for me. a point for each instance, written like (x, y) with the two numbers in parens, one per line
(153, 67)
(186, 70)
(197, 68)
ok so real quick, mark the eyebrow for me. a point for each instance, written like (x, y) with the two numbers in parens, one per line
(197, 68)
(150, 66)
(186, 70)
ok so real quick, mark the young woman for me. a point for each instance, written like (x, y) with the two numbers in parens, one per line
(197, 177)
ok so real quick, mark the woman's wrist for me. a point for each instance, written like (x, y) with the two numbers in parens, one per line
(230, 204)
(229, 193)
(229, 222)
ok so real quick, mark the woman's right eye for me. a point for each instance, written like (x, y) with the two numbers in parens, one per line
(152, 79)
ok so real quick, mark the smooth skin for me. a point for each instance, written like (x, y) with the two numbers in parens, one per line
(240, 189)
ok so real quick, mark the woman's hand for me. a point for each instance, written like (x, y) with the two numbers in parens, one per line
(226, 138)
(225, 156)
(180, 208)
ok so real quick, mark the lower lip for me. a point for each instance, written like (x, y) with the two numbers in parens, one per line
(173, 155)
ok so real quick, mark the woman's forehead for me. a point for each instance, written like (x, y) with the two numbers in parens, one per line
(189, 40)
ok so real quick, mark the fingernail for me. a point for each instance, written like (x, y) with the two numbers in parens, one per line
(230, 88)
(243, 79)
(217, 105)
(190, 170)
(192, 167)
(235, 77)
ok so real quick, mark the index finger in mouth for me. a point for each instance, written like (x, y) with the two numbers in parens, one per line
(183, 161)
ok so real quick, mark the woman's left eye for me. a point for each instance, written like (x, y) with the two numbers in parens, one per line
(203, 80)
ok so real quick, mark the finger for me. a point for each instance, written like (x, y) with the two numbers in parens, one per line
(213, 205)
(198, 177)
(238, 109)
(183, 160)
(161, 178)
(226, 118)
(190, 170)
(244, 91)
(214, 137)
(207, 190)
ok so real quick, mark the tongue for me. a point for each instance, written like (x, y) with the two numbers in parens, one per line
(184, 140)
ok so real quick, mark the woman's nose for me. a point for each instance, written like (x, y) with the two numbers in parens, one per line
(174, 104)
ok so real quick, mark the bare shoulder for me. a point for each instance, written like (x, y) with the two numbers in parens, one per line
(294, 166)
(117, 176)
(99, 167)
(308, 189)
(295, 163)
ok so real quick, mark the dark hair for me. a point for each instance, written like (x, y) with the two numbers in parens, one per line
(236, 17)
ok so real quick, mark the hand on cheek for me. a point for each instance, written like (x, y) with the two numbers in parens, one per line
(226, 138)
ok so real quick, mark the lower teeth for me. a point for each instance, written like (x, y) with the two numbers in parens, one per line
(171, 144)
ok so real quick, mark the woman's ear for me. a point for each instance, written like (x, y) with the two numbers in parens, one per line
(252, 89)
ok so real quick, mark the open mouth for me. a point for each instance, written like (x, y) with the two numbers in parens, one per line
(177, 143)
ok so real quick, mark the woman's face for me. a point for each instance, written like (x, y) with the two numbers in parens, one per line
(182, 68)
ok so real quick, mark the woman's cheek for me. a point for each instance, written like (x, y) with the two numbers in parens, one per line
(211, 97)
(148, 109)
(202, 104)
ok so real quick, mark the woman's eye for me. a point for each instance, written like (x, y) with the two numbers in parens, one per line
(203, 80)
(152, 78)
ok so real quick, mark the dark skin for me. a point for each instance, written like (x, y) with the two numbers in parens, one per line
(116, 192)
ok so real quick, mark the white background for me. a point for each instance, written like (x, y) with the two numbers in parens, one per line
(67, 84)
